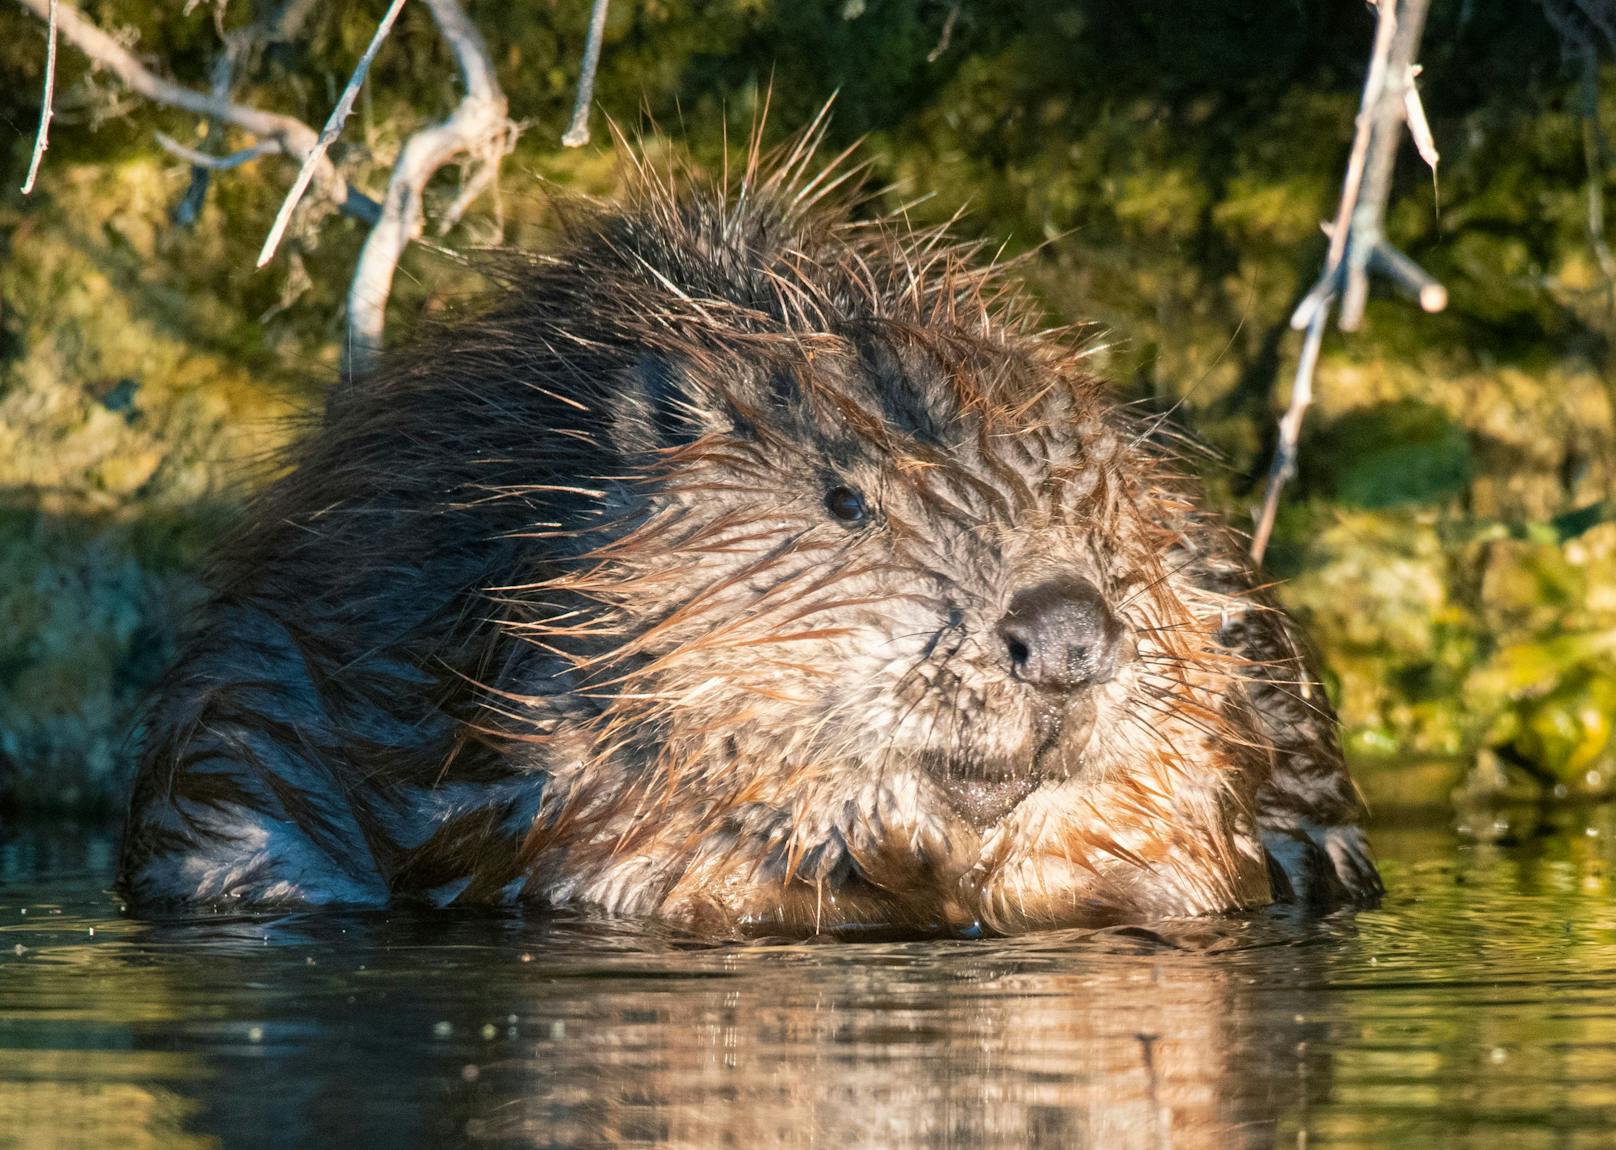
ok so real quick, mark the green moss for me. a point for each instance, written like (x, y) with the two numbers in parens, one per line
(1406, 452)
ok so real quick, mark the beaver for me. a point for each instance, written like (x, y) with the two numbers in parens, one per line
(754, 561)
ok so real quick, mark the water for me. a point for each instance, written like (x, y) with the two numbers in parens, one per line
(1476, 1007)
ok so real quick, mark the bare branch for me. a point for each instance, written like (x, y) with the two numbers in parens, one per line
(42, 139)
(1418, 126)
(1413, 280)
(477, 127)
(210, 161)
(475, 185)
(1329, 284)
(1357, 241)
(1406, 275)
(947, 34)
(291, 135)
(1283, 468)
(577, 133)
(276, 24)
(328, 134)
(297, 282)
(1386, 131)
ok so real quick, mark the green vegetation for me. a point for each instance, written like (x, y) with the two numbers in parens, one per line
(1450, 537)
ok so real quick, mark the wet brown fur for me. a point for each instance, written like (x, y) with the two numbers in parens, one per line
(534, 612)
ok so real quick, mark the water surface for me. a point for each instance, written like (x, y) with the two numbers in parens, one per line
(1476, 1007)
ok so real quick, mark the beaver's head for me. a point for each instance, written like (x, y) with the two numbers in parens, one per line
(882, 612)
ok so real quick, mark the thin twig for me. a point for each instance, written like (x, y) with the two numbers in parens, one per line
(1283, 468)
(1357, 242)
(1313, 313)
(1386, 133)
(328, 134)
(1418, 126)
(290, 134)
(42, 138)
(210, 162)
(577, 133)
(278, 24)
(478, 127)
(1329, 284)
(947, 34)
(189, 208)
(476, 184)
(1406, 275)
(1413, 280)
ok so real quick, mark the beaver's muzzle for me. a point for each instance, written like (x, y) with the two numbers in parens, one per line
(1062, 639)
(1062, 636)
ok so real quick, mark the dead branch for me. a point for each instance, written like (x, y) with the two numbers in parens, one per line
(207, 161)
(42, 138)
(1388, 116)
(947, 34)
(1408, 277)
(577, 133)
(475, 185)
(291, 136)
(1358, 245)
(242, 46)
(478, 127)
(328, 134)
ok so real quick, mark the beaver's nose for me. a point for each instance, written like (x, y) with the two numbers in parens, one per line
(1060, 635)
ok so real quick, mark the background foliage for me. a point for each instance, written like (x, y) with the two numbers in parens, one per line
(1451, 538)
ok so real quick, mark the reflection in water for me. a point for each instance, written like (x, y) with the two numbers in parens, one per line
(1480, 999)
(1069, 1047)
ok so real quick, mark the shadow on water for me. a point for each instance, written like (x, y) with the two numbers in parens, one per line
(1477, 1007)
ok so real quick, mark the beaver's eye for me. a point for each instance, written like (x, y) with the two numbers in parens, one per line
(847, 504)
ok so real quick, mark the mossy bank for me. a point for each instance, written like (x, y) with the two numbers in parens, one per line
(1450, 538)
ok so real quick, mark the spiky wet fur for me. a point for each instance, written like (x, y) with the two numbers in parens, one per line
(550, 608)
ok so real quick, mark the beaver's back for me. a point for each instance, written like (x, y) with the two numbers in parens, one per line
(327, 677)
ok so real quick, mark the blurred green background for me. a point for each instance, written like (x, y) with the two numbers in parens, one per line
(1451, 539)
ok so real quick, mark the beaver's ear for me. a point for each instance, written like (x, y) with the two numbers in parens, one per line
(658, 407)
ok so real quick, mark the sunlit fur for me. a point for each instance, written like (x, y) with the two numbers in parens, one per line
(551, 608)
